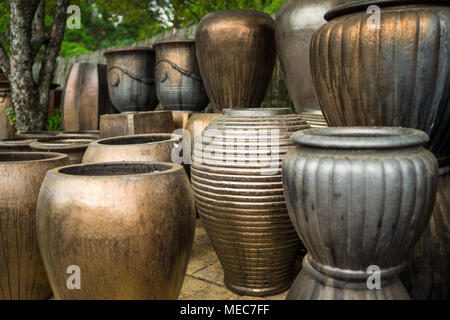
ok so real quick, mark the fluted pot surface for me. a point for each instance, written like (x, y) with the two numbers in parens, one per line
(236, 178)
(179, 84)
(392, 71)
(359, 197)
(22, 274)
(131, 79)
(128, 227)
(236, 53)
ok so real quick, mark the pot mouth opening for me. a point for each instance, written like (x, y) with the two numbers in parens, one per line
(258, 112)
(173, 41)
(145, 139)
(65, 141)
(363, 5)
(117, 169)
(15, 141)
(129, 50)
(28, 156)
(360, 137)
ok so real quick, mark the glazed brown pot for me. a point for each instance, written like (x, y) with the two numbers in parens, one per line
(16, 145)
(131, 78)
(236, 178)
(197, 124)
(178, 82)
(391, 73)
(22, 275)
(6, 130)
(85, 97)
(145, 147)
(295, 25)
(128, 227)
(73, 146)
(236, 53)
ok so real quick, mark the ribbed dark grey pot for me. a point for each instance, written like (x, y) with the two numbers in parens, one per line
(359, 197)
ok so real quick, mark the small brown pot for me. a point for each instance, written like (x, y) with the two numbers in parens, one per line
(145, 147)
(127, 226)
(22, 275)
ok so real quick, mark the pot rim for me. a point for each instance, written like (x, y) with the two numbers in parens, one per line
(46, 143)
(360, 138)
(171, 137)
(172, 168)
(128, 49)
(258, 112)
(172, 41)
(16, 142)
(48, 157)
(362, 5)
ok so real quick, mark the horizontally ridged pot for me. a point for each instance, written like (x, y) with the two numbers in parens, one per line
(179, 84)
(127, 226)
(131, 78)
(22, 275)
(428, 272)
(241, 203)
(360, 198)
(236, 53)
(73, 146)
(295, 25)
(143, 147)
(392, 71)
(85, 97)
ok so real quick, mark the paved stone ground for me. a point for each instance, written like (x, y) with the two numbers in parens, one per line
(204, 276)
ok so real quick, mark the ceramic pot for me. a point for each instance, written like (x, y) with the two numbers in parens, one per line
(22, 275)
(236, 178)
(94, 134)
(360, 198)
(428, 272)
(181, 118)
(391, 71)
(37, 135)
(6, 130)
(145, 147)
(236, 53)
(295, 25)
(16, 145)
(73, 146)
(197, 124)
(85, 97)
(128, 227)
(131, 78)
(178, 82)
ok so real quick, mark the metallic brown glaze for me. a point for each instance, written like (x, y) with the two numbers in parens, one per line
(143, 147)
(22, 275)
(179, 84)
(236, 53)
(131, 78)
(202, 120)
(128, 226)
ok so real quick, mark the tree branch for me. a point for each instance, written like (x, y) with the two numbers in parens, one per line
(38, 33)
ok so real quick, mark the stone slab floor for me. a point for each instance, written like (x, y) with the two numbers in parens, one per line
(204, 276)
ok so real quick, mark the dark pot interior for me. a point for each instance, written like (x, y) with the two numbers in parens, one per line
(25, 156)
(116, 169)
(135, 140)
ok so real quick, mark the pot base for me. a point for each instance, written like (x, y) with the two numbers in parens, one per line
(258, 292)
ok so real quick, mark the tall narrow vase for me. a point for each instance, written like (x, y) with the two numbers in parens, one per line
(236, 178)
(22, 274)
(360, 199)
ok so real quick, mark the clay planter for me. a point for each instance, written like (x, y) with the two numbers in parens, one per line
(427, 275)
(145, 147)
(236, 178)
(181, 118)
(37, 135)
(73, 146)
(131, 78)
(359, 197)
(236, 53)
(85, 97)
(6, 130)
(22, 275)
(94, 134)
(132, 123)
(128, 226)
(197, 124)
(295, 25)
(178, 82)
(396, 75)
(16, 145)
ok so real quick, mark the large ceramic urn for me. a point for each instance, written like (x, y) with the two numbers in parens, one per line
(236, 53)
(122, 230)
(179, 84)
(295, 25)
(85, 97)
(16, 145)
(236, 178)
(73, 146)
(22, 274)
(131, 78)
(360, 198)
(144, 147)
(386, 63)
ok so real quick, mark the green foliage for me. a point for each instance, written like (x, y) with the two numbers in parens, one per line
(11, 115)
(54, 123)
